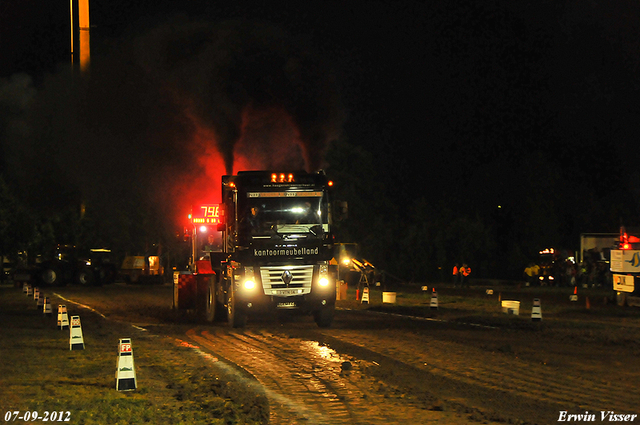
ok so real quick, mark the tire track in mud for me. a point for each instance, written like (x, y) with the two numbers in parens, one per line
(309, 383)
(501, 372)
(292, 388)
(304, 380)
(469, 370)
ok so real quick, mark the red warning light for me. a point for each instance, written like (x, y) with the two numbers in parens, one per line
(626, 241)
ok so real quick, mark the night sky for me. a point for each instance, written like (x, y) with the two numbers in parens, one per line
(484, 103)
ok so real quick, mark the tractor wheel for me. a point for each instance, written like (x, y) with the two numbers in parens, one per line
(212, 310)
(84, 277)
(51, 276)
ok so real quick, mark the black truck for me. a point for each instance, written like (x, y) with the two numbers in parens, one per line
(274, 247)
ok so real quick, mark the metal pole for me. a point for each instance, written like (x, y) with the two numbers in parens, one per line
(71, 9)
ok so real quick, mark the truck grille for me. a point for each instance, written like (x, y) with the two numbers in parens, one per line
(286, 281)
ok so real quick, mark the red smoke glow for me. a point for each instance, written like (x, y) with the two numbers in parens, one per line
(269, 140)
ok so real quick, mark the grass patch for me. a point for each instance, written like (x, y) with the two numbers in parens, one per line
(39, 373)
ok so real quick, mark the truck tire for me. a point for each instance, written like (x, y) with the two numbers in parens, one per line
(51, 276)
(84, 277)
(236, 317)
(324, 317)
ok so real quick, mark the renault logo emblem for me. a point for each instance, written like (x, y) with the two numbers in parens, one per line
(287, 277)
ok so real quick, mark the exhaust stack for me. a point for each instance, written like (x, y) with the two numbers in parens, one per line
(83, 34)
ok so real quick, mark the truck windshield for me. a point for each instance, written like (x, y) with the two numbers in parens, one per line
(290, 213)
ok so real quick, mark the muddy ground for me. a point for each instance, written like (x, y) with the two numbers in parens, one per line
(466, 362)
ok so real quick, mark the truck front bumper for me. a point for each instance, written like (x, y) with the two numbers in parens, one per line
(318, 299)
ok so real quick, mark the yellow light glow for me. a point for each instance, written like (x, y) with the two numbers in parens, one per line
(84, 27)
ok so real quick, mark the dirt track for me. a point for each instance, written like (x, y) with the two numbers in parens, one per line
(455, 366)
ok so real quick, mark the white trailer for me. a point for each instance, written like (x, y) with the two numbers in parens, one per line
(602, 242)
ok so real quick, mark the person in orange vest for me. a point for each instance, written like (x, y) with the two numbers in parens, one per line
(456, 271)
(464, 271)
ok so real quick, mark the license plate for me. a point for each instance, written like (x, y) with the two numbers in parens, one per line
(286, 305)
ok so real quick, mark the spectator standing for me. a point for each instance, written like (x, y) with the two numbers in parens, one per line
(528, 274)
(465, 273)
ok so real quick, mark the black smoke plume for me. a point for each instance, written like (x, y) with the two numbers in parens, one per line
(218, 71)
(129, 135)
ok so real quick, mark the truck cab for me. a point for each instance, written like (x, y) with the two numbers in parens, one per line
(276, 247)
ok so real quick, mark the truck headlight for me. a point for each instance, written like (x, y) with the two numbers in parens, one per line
(249, 280)
(323, 276)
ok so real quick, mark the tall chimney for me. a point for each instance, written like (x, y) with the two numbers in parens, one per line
(84, 28)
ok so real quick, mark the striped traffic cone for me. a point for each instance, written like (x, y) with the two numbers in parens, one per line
(125, 371)
(434, 300)
(536, 311)
(76, 341)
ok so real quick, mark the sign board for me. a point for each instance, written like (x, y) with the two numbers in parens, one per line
(208, 214)
(623, 283)
(625, 260)
(284, 194)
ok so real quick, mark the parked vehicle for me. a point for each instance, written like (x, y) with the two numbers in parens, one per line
(68, 265)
